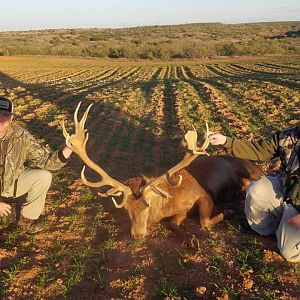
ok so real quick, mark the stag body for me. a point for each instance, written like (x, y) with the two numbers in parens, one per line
(206, 181)
(200, 182)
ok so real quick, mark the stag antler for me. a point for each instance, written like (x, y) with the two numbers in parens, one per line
(191, 139)
(77, 143)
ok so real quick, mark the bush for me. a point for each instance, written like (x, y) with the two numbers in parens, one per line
(226, 50)
(117, 53)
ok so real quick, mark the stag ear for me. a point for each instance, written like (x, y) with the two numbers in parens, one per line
(136, 185)
(146, 179)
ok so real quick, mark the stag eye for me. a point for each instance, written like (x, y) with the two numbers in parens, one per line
(147, 202)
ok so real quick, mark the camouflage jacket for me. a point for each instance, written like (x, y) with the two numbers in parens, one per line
(281, 145)
(20, 148)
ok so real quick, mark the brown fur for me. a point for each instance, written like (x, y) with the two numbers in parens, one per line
(206, 181)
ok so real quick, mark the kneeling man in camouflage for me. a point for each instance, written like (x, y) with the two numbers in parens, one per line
(26, 185)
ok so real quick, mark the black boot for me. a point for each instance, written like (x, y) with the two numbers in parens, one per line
(31, 226)
(244, 226)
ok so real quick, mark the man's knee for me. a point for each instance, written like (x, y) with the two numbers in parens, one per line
(45, 177)
(255, 194)
(257, 188)
(265, 192)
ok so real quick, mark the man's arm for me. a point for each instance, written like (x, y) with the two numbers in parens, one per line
(39, 156)
(261, 150)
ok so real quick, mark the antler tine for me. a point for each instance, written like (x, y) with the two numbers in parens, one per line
(106, 179)
(206, 142)
(76, 113)
(109, 193)
(122, 204)
(84, 117)
(89, 183)
(160, 192)
(62, 124)
(79, 125)
(127, 192)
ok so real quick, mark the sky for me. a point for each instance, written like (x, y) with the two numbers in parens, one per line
(56, 14)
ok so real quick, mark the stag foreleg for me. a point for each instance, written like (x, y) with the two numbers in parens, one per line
(173, 224)
(205, 208)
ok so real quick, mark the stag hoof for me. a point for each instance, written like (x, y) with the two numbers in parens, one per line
(204, 232)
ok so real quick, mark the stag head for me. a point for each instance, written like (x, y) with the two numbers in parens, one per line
(159, 190)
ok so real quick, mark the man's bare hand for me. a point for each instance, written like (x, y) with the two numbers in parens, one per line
(216, 138)
(5, 209)
(295, 221)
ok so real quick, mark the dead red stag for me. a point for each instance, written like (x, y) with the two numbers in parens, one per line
(196, 181)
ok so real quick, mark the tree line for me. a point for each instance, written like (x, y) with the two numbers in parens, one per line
(191, 41)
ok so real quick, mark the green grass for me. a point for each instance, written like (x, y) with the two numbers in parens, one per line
(12, 237)
(111, 242)
(251, 258)
(42, 279)
(166, 289)
(296, 269)
(183, 262)
(137, 243)
(8, 274)
(217, 265)
(127, 285)
(74, 276)
(49, 267)
(86, 198)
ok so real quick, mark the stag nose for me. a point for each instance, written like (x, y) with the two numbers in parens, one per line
(138, 235)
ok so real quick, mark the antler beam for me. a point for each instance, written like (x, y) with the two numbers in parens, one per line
(77, 143)
(191, 139)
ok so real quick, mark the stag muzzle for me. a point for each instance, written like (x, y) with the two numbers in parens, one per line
(139, 224)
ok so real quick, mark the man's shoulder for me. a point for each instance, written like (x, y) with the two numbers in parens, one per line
(292, 131)
(18, 130)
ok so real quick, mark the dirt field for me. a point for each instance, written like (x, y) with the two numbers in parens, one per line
(136, 125)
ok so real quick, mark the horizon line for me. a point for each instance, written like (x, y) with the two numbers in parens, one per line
(152, 25)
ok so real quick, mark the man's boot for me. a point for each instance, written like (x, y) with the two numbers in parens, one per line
(244, 226)
(31, 226)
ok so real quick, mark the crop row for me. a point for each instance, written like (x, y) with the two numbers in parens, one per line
(245, 99)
